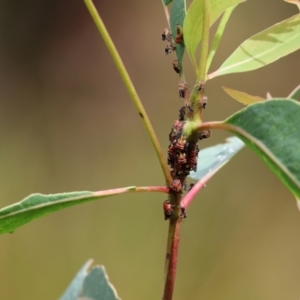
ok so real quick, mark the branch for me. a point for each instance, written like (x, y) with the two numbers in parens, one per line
(130, 87)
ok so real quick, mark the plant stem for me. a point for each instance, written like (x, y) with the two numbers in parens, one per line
(218, 35)
(189, 197)
(171, 257)
(130, 87)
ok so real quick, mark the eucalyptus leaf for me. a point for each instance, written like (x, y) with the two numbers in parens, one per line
(263, 48)
(177, 16)
(167, 2)
(193, 22)
(97, 286)
(214, 158)
(272, 130)
(38, 205)
(93, 285)
(242, 97)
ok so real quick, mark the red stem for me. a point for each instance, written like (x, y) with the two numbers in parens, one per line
(171, 258)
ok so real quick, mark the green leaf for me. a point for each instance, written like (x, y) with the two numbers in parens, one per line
(93, 285)
(272, 130)
(74, 289)
(167, 2)
(242, 97)
(295, 94)
(193, 22)
(177, 16)
(213, 158)
(96, 286)
(38, 205)
(263, 48)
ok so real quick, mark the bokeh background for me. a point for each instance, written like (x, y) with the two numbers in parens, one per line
(67, 123)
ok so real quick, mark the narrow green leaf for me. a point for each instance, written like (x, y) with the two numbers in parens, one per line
(75, 288)
(214, 158)
(295, 94)
(38, 205)
(263, 48)
(193, 22)
(167, 2)
(272, 130)
(97, 286)
(242, 97)
(177, 16)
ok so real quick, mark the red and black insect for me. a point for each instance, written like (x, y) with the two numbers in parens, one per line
(176, 130)
(179, 35)
(176, 66)
(181, 143)
(181, 158)
(182, 113)
(176, 186)
(168, 209)
(171, 155)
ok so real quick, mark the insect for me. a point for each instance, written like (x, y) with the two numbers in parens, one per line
(191, 186)
(182, 113)
(181, 159)
(168, 209)
(181, 143)
(183, 213)
(166, 35)
(179, 35)
(192, 157)
(169, 48)
(204, 134)
(203, 102)
(176, 130)
(200, 86)
(176, 66)
(183, 89)
(171, 155)
(176, 186)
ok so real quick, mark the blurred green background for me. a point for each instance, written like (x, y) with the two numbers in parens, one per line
(67, 123)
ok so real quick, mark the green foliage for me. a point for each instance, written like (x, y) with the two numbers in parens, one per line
(272, 130)
(242, 97)
(167, 2)
(263, 48)
(38, 205)
(214, 158)
(94, 285)
(177, 16)
(193, 23)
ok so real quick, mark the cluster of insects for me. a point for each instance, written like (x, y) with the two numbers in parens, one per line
(182, 152)
(171, 44)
